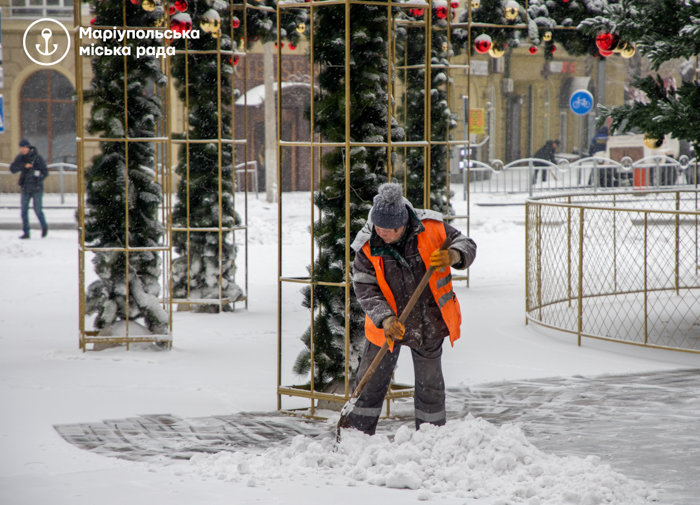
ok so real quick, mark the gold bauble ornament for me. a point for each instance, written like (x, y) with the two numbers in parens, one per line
(496, 52)
(651, 142)
(547, 36)
(301, 27)
(148, 5)
(620, 47)
(476, 4)
(444, 47)
(210, 22)
(511, 10)
(628, 51)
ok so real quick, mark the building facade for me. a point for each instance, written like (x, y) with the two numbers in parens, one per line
(522, 99)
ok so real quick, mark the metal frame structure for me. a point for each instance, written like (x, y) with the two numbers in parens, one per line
(163, 170)
(220, 140)
(622, 266)
(317, 145)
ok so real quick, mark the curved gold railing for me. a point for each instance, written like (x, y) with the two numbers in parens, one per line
(621, 266)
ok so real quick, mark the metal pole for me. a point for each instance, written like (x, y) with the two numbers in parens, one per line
(219, 174)
(538, 255)
(615, 243)
(646, 285)
(271, 163)
(467, 147)
(80, 161)
(678, 241)
(568, 250)
(279, 235)
(528, 228)
(348, 163)
(126, 186)
(580, 276)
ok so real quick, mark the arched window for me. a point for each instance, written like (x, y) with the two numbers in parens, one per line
(47, 116)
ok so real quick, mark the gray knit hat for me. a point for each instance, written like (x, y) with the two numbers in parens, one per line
(389, 210)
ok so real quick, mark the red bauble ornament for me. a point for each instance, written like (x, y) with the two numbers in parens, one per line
(552, 49)
(440, 12)
(181, 5)
(281, 45)
(235, 22)
(533, 50)
(135, 2)
(93, 20)
(482, 43)
(607, 41)
(454, 4)
(604, 53)
(416, 13)
(292, 47)
(172, 10)
(234, 60)
(181, 23)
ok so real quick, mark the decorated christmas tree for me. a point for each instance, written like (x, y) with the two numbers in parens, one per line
(442, 120)
(205, 267)
(120, 183)
(366, 166)
(566, 16)
(547, 24)
(662, 31)
(493, 13)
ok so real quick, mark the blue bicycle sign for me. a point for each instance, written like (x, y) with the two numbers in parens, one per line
(581, 102)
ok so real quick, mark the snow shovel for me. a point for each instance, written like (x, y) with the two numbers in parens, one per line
(350, 404)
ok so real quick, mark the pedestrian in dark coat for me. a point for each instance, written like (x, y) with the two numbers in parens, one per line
(546, 152)
(599, 141)
(392, 253)
(606, 175)
(33, 171)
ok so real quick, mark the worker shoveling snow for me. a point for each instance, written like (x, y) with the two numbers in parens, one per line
(468, 458)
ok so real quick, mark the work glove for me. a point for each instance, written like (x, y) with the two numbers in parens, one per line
(393, 329)
(441, 258)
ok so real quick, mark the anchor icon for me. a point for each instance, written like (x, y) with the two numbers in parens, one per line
(46, 53)
(46, 33)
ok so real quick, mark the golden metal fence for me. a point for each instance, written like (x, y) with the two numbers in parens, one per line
(619, 266)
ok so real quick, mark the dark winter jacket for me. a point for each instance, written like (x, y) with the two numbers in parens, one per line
(546, 152)
(31, 179)
(599, 141)
(403, 270)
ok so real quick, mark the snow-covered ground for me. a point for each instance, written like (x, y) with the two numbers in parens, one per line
(226, 363)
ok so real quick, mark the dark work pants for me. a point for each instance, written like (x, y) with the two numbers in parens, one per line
(429, 396)
(36, 197)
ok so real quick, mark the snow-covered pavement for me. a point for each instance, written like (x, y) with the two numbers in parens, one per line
(644, 425)
(595, 412)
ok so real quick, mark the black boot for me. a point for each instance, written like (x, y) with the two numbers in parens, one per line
(24, 236)
(44, 232)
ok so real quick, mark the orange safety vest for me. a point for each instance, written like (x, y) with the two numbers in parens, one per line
(440, 284)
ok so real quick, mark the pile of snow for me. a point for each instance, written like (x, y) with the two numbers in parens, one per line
(468, 458)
